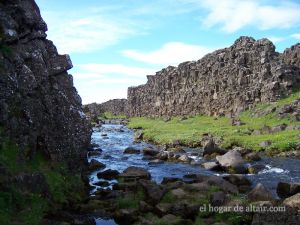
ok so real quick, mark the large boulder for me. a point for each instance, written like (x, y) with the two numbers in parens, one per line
(96, 165)
(135, 173)
(184, 158)
(285, 190)
(232, 162)
(260, 193)
(293, 201)
(212, 166)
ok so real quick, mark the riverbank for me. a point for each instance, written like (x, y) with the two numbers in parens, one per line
(135, 183)
(273, 127)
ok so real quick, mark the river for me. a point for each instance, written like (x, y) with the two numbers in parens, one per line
(113, 139)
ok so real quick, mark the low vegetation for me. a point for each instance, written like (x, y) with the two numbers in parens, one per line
(110, 115)
(21, 206)
(190, 130)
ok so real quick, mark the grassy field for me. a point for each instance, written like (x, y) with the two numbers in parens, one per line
(189, 131)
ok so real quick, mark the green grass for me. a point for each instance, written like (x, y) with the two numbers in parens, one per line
(110, 115)
(189, 132)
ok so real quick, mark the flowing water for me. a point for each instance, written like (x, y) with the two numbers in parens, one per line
(113, 139)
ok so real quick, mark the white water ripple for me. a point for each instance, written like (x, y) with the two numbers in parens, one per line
(270, 169)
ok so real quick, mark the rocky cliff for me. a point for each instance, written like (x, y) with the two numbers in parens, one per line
(114, 106)
(39, 106)
(224, 82)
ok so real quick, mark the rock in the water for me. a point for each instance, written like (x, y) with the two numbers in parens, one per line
(135, 173)
(155, 162)
(212, 166)
(285, 190)
(184, 158)
(96, 165)
(163, 155)
(232, 162)
(293, 201)
(150, 151)
(131, 150)
(102, 183)
(260, 193)
(108, 174)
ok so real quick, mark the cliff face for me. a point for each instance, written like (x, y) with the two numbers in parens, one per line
(39, 106)
(114, 106)
(224, 82)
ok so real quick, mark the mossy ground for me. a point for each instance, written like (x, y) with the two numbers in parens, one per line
(30, 208)
(189, 131)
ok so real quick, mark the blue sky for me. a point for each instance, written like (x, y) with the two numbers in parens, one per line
(114, 44)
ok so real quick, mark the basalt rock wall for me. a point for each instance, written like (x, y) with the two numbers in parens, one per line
(224, 82)
(39, 106)
(114, 106)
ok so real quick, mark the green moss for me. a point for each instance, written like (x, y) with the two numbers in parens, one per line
(30, 208)
(168, 198)
(130, 201)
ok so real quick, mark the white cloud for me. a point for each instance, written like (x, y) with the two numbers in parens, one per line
(296, 36)
(108, 69)
(86, 33)
(233, 15)
(275, 39)
(171, 53)
(102, 82)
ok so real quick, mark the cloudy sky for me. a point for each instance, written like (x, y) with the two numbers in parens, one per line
(114, 44)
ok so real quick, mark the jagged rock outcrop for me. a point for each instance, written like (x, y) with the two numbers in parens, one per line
(39, 106)
(291, 55)
(224, 82)
(114, 106)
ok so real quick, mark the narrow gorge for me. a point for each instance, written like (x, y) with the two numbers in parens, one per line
(213, 141)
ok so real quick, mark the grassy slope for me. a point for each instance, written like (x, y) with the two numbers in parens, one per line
(189, 131)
